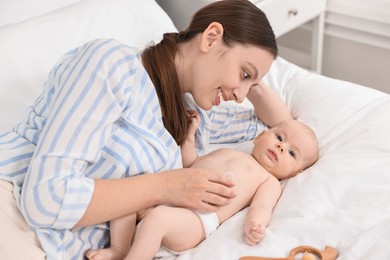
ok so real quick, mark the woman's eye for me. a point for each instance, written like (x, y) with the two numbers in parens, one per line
(292, 153)
(279, 137)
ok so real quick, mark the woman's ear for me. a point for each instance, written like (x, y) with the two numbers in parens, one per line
(211, 35)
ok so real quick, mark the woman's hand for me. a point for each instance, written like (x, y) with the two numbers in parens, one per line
(196, 189)
(188, 187)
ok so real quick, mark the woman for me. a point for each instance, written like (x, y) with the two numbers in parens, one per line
(108, 117)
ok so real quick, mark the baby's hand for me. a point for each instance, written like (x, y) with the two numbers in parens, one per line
(195, 121)
(254, 233)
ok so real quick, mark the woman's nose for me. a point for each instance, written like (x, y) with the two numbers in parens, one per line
(240, 93)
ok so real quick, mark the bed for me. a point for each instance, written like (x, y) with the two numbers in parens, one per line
(342, 201)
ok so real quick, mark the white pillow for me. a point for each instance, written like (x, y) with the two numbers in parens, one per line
(16, 11)
(335, 109)
(28, 50)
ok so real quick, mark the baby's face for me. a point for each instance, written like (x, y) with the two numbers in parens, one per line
(286, 149)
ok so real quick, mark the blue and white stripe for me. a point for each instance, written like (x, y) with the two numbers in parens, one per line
(98, 117)
(225, 123)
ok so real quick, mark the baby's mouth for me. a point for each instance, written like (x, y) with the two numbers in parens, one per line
(272, 155)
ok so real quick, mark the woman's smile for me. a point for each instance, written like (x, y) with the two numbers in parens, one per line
(220, 97)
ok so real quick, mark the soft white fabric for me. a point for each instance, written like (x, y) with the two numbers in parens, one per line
(209, 221)
(14, 228)
(28, 50)
(344, 199)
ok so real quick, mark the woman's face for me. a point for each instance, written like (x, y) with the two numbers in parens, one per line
(227, 73)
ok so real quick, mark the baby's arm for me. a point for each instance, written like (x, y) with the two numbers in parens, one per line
(260, 210)
(188, 151)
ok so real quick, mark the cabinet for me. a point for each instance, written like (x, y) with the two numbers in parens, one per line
(286, 15)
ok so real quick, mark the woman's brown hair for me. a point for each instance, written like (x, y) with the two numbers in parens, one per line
(243, 23)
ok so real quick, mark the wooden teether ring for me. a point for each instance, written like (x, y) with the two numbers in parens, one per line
(330, 253)
(308, 249)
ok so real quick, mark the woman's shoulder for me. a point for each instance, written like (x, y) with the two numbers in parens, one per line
(108, 44)
(107, 51)
(104, 47)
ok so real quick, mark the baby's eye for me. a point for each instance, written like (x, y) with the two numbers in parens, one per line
(246, 75)
(279, 137)
(292, 153)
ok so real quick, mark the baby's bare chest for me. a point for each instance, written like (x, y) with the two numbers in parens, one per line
(247, 175)
(245, 169)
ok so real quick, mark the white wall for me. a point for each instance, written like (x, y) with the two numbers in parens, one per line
(181, 11)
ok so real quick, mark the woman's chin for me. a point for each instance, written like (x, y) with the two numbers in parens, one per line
(206, 107)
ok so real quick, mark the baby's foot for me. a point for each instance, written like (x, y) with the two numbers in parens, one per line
(105, 254)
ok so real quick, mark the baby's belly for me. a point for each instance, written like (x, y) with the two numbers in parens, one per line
(247, 175)
(247, 182)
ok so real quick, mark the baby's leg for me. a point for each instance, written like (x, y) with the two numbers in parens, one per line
(121, 235)
(177, 229)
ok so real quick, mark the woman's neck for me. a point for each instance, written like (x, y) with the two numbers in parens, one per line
(184, 58)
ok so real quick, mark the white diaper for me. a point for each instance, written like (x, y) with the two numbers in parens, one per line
(210, 222)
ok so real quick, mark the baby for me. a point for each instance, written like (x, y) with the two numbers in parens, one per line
(280, 152)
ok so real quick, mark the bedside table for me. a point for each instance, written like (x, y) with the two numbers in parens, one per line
(284, 16)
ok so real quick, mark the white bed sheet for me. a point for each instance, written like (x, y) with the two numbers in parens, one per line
(342, 201)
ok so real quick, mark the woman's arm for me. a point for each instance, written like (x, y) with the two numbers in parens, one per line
(80, 110)
(190, 188)
(228, 124)
(269, 107)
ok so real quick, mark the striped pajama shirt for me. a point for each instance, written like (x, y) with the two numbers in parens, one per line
(98, 117)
